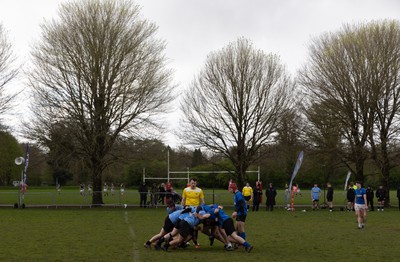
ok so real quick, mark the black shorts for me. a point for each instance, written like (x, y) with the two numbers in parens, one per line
(247, 198)
(241, 218)
(228, 226)
(185, 229)
(178, 224)
(168, 225)
(208, 222)
(329, 199)
(381, 199)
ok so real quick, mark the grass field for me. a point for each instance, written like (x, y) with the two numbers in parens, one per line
(118, 234)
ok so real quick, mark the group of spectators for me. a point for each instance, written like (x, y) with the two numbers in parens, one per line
(159, 194)
(254, 197)
(88, 190)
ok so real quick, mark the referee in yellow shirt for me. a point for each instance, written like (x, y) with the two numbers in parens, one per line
(192, 195)
(247, 192)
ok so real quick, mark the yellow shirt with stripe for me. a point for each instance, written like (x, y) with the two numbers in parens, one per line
(192, 196)
(247, 191)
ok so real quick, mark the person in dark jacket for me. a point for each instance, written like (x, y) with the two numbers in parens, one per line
(398, 195)
(257, 194)
(381, 196)
(370, 198)
(350, 197)
(270, 193)
(161, 194)
(329, 196)
(143, 190)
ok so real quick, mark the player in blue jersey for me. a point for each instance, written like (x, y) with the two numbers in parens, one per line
(168, 237)
(240, 212)
(315, 193)
(360, 205)
(186, 228)
(174, 211)
(227, 224)
(210, 226)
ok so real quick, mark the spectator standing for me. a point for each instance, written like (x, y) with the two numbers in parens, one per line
(168, 192)
(82, 189)
(381, 196)
(122, 189)
(350, 195)
(315, 194)
(143, 195)
(90, 189)
(329, 196)
(398, 195)
(270, 193)
(105, 189)
(370, 198)
(112, 189)
(257, 195)
(161, 196)
(58, 188)
(153, 196)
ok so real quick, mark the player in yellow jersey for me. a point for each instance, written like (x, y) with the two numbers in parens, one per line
(247, 193)
(192, 195)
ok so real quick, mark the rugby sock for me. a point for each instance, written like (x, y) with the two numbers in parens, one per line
(160, 241)
(242, 235)
(245, 244)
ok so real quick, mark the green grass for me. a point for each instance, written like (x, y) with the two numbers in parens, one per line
(117, 234)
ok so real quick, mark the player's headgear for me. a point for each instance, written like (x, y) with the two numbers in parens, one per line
(233, 186)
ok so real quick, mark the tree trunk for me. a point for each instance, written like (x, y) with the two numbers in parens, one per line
(360, 170)
(97, 199)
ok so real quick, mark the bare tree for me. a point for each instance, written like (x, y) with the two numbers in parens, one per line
(234, 104)
(386, 78)
(323, 134)
(347, 72)
(99, 70)
(7, 71)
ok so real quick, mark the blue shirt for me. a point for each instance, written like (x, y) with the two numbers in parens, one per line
(184, 215)
(208, 208)
(240, 204)
(315, 192)
(193, 220)
(174, 216)
(360, 196)
(221, 215)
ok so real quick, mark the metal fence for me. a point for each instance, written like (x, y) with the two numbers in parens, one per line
(129, 198)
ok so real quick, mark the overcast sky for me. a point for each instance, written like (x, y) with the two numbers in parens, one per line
(194, 28)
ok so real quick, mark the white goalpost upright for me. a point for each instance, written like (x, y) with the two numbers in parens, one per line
(188, 173)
